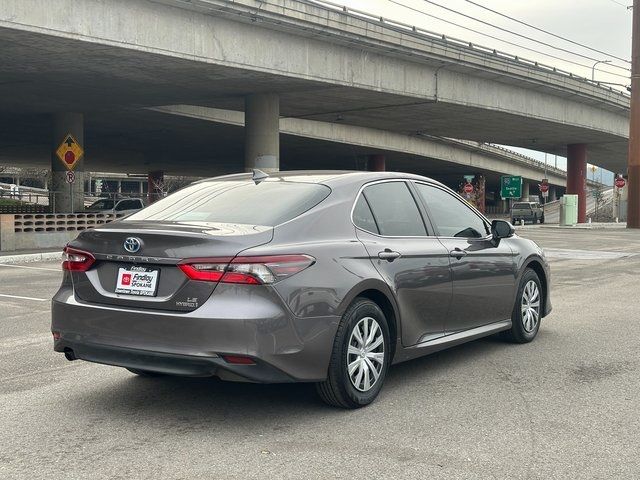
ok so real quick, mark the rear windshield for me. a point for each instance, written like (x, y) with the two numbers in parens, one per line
(521, 205)
(269, 203)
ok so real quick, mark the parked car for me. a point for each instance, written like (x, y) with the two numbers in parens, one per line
(527, 211)
(121, 205)
(298, 277)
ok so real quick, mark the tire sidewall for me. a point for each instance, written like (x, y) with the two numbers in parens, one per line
(362, 308)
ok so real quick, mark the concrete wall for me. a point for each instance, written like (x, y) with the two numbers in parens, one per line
(42, 231)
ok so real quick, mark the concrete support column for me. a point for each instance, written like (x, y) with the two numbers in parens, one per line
(140, 189)
(119, 186)
(65, 125)
(262, 132)
(525, 191)
(553, 195)
(376, 163)
(155, 186)
(577, 177)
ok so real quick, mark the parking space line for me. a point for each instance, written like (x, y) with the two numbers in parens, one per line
(24, 298)
(30, 268)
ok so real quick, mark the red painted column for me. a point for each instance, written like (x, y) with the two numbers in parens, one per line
(376, 163)
(633, 162)
(577, 177)
(155, 186)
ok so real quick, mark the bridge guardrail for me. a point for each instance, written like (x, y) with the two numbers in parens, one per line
(442, 38)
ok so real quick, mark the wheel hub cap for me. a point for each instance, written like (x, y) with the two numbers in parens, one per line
(530, 306)
(365, 354)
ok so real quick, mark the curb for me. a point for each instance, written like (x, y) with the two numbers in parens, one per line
(30, 257)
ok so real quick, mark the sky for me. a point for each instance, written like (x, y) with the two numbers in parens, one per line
(604, 25)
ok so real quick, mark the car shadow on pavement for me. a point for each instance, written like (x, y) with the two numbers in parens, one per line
(209, 401)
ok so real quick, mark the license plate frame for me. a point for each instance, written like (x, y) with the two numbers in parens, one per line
(137, 281)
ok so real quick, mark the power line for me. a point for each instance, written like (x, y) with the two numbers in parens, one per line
(520, 35)
(548, 32)
(621, 4)
(504, 41)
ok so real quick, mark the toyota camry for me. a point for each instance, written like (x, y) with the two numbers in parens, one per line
(323, 277)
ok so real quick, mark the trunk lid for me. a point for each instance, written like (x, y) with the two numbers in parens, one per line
(162, 245)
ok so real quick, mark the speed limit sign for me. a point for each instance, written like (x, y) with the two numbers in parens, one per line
(70, 176)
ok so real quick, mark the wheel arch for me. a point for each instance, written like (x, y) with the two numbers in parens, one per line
(535, 264)
(379, 293)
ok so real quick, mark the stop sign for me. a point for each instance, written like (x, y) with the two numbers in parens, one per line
(544, 187)
(620, 183)
(468, 188)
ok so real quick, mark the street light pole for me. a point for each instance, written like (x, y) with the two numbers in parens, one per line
(593, 69)
(633, 163)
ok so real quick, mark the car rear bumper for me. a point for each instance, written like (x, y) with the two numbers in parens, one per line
(236, 320)
(172, 364)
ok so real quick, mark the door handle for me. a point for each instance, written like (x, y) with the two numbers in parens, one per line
(388, 255)
(458, 253)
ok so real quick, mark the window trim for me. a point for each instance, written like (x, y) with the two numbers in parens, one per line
(418, 202)
(461, 200)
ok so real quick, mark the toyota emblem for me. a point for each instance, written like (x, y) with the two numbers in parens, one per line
(132, 244)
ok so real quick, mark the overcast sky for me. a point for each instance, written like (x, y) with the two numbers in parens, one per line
(602, 24)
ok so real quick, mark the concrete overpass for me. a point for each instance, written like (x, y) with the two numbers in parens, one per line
(295, 59)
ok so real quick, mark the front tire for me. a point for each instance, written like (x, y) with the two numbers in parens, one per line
(360, 357)
(527, 311)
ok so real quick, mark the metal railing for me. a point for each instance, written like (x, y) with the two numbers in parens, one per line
(419, 32)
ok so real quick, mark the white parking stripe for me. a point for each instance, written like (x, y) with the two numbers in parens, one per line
(30, 268)
(25, 298)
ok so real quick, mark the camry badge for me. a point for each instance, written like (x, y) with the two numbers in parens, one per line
(132, 244)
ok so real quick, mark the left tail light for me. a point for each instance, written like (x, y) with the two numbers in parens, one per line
(262, 270)
(75, 260)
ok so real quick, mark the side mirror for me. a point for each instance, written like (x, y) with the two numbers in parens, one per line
(502, 229)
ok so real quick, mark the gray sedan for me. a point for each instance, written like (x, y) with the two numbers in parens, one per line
(324, 277)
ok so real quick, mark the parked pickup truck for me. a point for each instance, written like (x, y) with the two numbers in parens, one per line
(527, 211)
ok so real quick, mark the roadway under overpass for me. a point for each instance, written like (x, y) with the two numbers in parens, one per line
(279, 60)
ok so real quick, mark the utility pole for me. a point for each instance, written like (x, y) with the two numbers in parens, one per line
(633, 204)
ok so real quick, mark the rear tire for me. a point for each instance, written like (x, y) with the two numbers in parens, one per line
(527, 311)
(360, 357)
(144, 373)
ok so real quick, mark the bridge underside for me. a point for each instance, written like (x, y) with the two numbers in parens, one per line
(44, 74)
(139, 141)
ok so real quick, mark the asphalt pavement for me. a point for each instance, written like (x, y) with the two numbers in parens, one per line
(564, 406)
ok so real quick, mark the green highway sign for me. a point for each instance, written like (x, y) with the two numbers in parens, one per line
(510, 187)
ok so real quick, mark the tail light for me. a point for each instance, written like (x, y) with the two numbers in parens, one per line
(76, 260)
(246, 270)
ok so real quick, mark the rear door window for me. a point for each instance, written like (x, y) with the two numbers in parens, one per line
(362, 216)
(450, 215)
(394, 210)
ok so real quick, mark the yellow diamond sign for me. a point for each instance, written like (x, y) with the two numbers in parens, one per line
(69, 152)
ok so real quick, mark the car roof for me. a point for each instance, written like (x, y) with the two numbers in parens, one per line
(327, 177)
